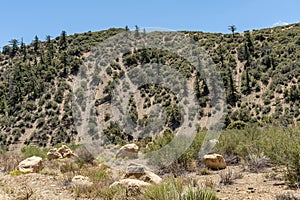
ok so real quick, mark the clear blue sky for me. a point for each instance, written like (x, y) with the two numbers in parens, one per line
(27, 18)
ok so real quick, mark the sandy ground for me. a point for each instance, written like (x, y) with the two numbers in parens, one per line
(265, 185)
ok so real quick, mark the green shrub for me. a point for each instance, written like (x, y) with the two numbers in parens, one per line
(99, 191)
(66, 166)
(293, 166)
(31, 150)
(169, 189)
(257, 162)
(199, 193)
(174, 189)
(115, 135)
(96, 174)
(237, 125)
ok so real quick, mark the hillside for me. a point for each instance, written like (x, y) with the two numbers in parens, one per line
(259, 68)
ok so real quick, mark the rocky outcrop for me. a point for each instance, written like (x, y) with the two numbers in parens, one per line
(59, 153)
(214, 161)
(32, 164)
(129, 151)
(140, 172)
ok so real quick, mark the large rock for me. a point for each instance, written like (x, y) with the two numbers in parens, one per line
(214, 161)
(32, 164)
(140, 172)
(81, 180)
(59, 153)
(128, 151)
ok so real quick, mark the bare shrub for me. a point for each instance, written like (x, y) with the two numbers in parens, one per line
(228, 176)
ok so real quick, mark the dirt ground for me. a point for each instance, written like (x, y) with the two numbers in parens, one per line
(264, 185)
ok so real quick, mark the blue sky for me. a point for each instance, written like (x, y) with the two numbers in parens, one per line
(25, 19)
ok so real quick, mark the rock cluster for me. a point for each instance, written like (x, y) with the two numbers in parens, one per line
(59, 153)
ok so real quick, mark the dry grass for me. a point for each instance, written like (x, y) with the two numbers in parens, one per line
(228, 176)
(9, 161)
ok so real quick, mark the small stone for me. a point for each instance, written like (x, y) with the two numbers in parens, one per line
(251, 190)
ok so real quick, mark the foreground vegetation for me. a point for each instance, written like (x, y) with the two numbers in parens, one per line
(253, 148)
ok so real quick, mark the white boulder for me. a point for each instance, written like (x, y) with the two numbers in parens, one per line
(31, 164)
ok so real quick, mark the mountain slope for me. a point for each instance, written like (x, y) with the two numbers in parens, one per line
(260, 71)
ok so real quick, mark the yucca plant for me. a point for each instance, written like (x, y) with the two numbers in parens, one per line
(198, 193)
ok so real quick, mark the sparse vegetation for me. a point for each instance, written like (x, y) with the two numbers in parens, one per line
(228, 176)
(175, 189)
(260, 70)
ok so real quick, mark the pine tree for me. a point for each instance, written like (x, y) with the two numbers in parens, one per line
(23, 50)
(231, 91)
(245, 82)
(249, 43)
(50, 50)
(63, 41)
(36, 44)
(14, 47)
(137, 31)
(50, 46)
(6, 50)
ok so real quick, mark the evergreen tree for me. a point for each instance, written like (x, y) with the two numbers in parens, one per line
(137, 31)
(231, 90)
(63, 41)
(6, 50)
(50, 50)
(23, 50)
(249, 43)
(14, 47)
(36, 44)
(245, 82)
